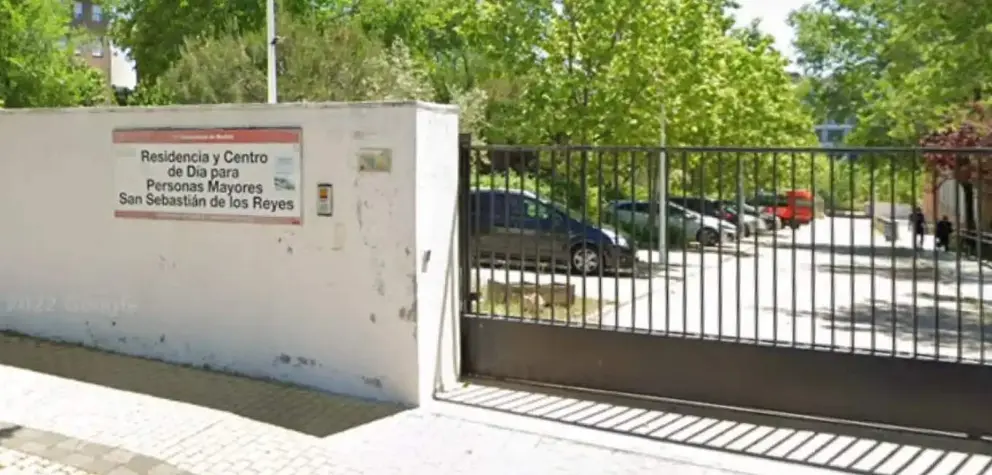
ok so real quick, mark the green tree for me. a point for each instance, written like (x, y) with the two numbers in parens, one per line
(155, 31)
(37, 66)
(603, 71)
(902, 67)
(317, 62)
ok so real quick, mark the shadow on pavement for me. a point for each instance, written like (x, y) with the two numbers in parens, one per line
(922, 321)
(299, 409)
(7, 431)
(899, 263)
(834, 446)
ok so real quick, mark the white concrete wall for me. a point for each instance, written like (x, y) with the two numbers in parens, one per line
(885, 209)
(348, 304)
(951, 202)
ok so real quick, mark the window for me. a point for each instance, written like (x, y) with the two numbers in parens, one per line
(537, 210)
(77, 10)
(646, 208)
(97, 49)
(96, 13)
(835, 136)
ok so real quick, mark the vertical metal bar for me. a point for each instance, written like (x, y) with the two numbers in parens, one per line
(872, 200)
(464, 220)
(585, 221)
(553, 155)
(812, 230)
(757, 267)
(739, 187)
(478, 232)
(702, 256)
(719, 250)
(795, 286)
(851, 246)
(916, 256)
(599, 225)
(663, 227)
(833, 252)
(568, 267)
(617, 194)
(518, 159)
(775, 193)
(936, 267)
(508, 257)
(980, 193)
(957, 262)
(892, 263)
(540, 223)
(685, 260)
(492, 213)
(633, 197)
(652, 218)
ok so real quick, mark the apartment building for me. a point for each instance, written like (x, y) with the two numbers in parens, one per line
(832, 134)
(87, 14)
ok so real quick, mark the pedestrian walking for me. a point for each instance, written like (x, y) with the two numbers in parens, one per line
(918, 224)
(942, 232)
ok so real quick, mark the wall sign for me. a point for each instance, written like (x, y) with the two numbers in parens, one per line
(247, 175)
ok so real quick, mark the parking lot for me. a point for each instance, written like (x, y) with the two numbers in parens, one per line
(833, 283)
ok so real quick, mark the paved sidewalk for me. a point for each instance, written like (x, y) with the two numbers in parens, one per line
(209, 424)
(24, 450)
(13, 462)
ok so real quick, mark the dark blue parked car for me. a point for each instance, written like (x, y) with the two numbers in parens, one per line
(518, 226)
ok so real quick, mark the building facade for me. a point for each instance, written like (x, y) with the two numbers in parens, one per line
(97, 52)
(833, 134)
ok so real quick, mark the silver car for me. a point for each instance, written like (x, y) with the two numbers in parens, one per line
(707, 230)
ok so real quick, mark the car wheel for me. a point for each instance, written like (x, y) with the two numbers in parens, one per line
(746, 232)
(585, 260)
(708, 237)
(794, 224)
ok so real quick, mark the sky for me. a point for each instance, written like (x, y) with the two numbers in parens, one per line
(773, 15)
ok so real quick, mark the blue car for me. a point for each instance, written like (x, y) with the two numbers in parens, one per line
(518, 226)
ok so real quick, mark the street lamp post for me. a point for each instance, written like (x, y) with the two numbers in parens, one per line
(270, 13)
(663, 192)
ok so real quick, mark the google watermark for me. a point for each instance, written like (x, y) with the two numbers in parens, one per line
(31, 304)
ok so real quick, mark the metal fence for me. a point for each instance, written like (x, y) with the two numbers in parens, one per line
(766, 287)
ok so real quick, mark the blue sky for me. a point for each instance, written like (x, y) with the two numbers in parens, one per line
(772, 14)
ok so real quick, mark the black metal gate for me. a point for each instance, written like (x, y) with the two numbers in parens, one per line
(795, 280)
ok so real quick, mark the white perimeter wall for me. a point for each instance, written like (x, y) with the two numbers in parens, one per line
(362, 303)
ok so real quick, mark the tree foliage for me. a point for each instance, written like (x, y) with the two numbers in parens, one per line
(523, 72)
(37, 66)
(973, 172)
(903, 68)
(316, 63)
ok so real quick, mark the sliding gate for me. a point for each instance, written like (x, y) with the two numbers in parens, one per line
(793, 280)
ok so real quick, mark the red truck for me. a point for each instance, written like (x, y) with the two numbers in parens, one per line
(793, 207)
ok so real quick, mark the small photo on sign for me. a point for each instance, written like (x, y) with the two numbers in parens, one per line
(283, 179)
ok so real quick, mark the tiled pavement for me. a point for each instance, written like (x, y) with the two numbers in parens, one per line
(13, 462)
(146, 417)
(37, 451)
